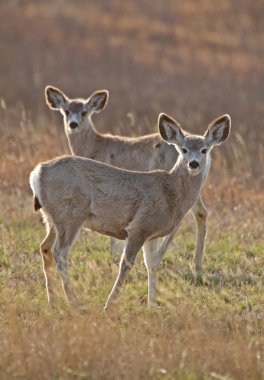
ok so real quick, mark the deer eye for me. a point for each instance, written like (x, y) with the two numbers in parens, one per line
(67, 112)
(204, 151)
(184, 151)
(84, 113)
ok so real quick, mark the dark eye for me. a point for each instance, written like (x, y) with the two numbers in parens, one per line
(84, 113)
(67, 112)
(204, 151)
(184, 151)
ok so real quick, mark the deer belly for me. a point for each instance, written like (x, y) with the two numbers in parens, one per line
(163, 233)
(105, 227)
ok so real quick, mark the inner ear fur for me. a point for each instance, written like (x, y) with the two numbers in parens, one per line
(218, 130)
(170, 130)
(55, 98)
(98, 100)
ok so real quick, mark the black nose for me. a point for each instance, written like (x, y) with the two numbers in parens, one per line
(73, 124)
(194, 164)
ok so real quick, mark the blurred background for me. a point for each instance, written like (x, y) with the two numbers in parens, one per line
(194, 60)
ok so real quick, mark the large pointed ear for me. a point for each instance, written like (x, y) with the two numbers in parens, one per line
(170, 130)
(98, 100)
(218, 130)
(55, 98)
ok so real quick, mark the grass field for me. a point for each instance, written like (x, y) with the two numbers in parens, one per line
(194, 61)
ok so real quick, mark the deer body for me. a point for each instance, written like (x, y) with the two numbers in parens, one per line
(133, 206)
(113, 201)
(145, 153)
(149, 152)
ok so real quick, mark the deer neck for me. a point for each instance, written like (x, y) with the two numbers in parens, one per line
(187, 187)
(84, 143)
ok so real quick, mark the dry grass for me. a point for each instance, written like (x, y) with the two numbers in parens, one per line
(149, 345)
(194, 61)
(213, 331)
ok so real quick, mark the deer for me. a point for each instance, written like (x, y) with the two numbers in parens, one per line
(137, 207)
(145, 153)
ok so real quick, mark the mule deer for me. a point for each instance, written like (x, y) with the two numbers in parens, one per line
(133, 206)
(144, 153)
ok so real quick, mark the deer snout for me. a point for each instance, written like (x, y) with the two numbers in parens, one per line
(194, 164)
(73, 124)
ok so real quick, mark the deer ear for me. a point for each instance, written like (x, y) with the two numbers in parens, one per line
(55, 98)
(170, 130)
(218, 130)
(98, 100)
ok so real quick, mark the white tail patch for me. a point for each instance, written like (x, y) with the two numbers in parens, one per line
(34, 181)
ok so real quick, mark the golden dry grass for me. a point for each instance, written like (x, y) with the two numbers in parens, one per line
(149, 345)
(209, 331)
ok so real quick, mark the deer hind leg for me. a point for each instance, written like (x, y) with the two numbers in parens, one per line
(133, 245)
(199, 212)
(151, 259)
(61, 249)
(48, 263)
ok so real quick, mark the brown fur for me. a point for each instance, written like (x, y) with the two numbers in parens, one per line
(36, 203)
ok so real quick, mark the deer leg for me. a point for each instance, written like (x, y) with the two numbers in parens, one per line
(131, 249)
(165, 243)
(151, 262)
(121, 246)
(113, 247)
(116, 247)
(48, 263)
(61, 249)
(199, 212)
